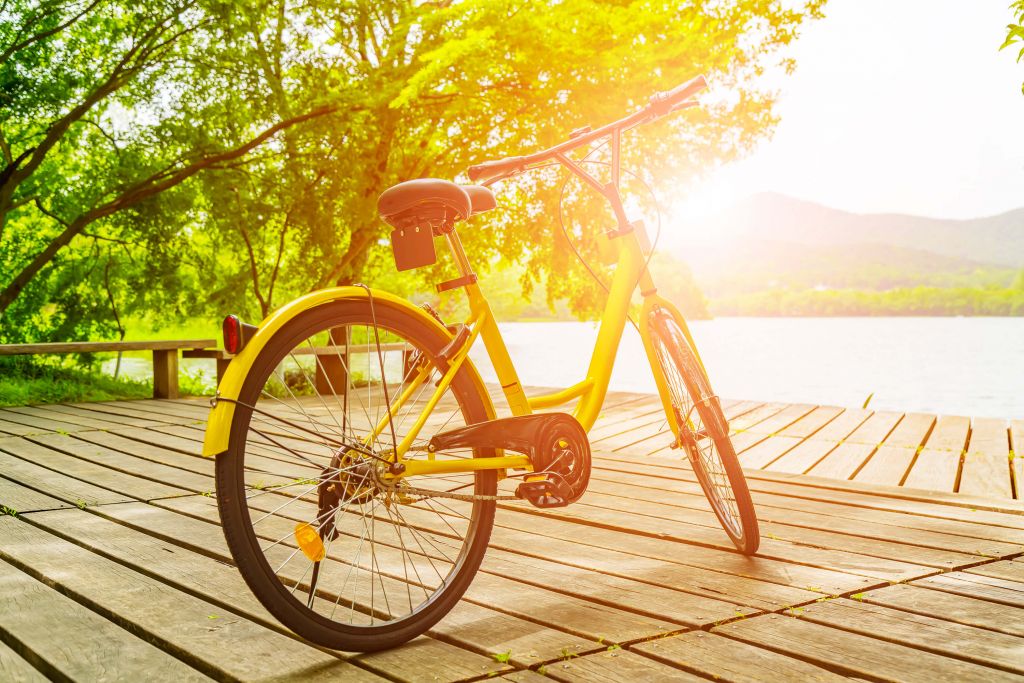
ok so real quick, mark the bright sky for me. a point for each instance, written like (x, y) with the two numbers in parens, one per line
(902, 106)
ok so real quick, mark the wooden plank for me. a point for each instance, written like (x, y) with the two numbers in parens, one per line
(93, 421)
(891, 462)
(1011, 571)
(753, 417)
(195, 630)
(66, 640)
(781, 420)
(169, 437)
(103, 346)
(812, 422)
(804, 456)
(472, 626)
(659, 441)
(814, 526)
(951, 506)
(120, 419)
(778, 503)
(16, 669)
(842, 426)
(85, 471)
(17, 499)
(950, 607)
(40, 425)
(938, 464)
(986, 469)
(17, 429)
(176, 412)
(215, 581)
(930, 634)
(731, 660)
(768, 451)
(843, 461)
(117, 409)
(191, 482)
(111, 440)
(52, 483)
(670, 526)
(976, 586)
(613, 666)
(854, 654)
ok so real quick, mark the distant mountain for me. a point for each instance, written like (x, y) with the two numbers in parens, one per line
(778, 218)
(786, 243)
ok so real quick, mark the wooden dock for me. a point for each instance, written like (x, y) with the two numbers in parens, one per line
(113, 565)
(912, 450)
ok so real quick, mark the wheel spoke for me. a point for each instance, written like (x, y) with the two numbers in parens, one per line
(700, 425)
(310, 457)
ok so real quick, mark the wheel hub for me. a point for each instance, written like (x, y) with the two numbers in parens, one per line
(349, 479)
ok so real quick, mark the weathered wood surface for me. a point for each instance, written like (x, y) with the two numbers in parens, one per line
(113, 565)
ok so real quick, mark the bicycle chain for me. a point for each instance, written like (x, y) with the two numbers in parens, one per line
(431, 493)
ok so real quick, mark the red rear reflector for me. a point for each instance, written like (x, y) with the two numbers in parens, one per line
(232, 329)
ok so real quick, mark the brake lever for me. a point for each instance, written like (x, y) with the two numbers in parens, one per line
(685, 104)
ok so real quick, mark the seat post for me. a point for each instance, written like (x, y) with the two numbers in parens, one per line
(461, 260)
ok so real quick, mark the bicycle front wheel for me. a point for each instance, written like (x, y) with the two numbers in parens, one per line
(339, 556)
(703, 432)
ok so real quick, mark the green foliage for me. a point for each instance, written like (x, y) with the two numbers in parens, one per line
(192, 157)
(923, 301)
(28, 380)
(1015, 32)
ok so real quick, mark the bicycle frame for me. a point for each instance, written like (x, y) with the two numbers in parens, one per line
(630, 272)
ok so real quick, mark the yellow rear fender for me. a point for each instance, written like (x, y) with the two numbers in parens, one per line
(218, 427)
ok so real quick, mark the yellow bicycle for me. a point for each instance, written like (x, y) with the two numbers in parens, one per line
(359, 456)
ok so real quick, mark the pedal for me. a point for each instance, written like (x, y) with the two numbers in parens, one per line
(545, 493)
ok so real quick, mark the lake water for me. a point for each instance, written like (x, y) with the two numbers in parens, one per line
(953, 366)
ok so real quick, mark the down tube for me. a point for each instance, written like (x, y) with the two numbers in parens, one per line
(613, 321)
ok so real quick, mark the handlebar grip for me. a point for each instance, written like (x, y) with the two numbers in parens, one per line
(492, 169)
(664, 102)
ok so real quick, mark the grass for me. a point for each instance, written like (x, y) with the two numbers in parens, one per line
(27, 383)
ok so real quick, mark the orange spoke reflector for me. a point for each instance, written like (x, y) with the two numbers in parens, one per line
(309, 542)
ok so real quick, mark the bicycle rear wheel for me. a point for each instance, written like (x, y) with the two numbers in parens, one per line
(703, 432)
(336, 556)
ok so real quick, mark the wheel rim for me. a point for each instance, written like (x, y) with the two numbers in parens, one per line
(691, 421)
(390, 555)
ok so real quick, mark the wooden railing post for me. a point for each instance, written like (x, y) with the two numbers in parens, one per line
(331, 376)
(165, 373)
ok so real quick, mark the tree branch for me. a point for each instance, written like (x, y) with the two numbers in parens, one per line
(43, 35)
(139, 192)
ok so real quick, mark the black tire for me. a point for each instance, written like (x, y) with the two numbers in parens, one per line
(290, 435)
(704, 433)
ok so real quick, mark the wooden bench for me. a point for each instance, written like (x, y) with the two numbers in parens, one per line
(165, 356)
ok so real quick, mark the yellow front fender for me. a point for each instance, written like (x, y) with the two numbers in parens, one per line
(218, 427)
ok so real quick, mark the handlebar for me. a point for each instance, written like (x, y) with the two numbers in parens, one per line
(661, 104)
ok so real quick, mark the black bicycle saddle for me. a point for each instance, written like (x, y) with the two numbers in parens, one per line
(432, 200)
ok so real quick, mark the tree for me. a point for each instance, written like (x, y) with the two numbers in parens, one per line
(1015, 32)
(298, 115)
(90, 125)
(440, 86)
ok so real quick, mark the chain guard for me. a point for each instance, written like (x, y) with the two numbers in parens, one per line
(557, 446)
